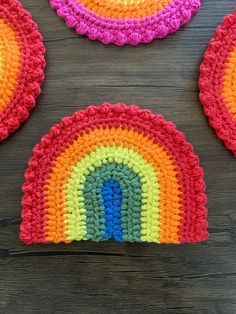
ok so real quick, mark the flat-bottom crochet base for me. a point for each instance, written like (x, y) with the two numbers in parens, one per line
(114, 171)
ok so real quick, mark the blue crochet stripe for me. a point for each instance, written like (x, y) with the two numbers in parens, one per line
(112, 199)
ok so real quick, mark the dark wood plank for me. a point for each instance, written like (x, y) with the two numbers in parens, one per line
(111, 277)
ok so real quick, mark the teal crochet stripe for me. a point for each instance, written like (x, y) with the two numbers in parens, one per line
(130, 210)
(163, 196)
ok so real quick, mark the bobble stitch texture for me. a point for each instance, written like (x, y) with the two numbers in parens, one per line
(125, 22)
(114, 171)
(218, 82)
(22, 65)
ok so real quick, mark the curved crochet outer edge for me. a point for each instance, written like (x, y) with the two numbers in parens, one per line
(126, 31)
(24, 97)
(220, 118)
(80, 118)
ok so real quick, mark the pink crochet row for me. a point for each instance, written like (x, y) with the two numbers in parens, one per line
(125, 23)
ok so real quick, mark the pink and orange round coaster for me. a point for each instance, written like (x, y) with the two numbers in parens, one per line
(125, 22)
(218, 82)
(21, 65)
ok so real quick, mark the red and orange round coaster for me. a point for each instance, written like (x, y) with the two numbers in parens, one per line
(218, 82)
(22, 65)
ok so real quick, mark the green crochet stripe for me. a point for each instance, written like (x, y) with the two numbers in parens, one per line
(75, 209)
(130, 185)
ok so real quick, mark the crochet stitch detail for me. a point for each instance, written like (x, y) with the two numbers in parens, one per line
(217, 82)
(21, 65)
(125, 22)
(114, 171)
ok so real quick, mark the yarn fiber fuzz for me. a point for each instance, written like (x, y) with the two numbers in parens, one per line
(125, 22)
(114, 172)
(217, 82)
(22, 65)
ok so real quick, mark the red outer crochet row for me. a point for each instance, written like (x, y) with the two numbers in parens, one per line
(32, 66)
(211, 82)
(107, 115)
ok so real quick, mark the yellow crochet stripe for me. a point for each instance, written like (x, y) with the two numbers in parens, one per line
(76, 218)
(229, 89)
(162, 162)
(10, 62)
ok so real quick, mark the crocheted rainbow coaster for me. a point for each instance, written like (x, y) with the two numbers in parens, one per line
(21, 65)
(218, 82)
(125, 22)
(114, 171)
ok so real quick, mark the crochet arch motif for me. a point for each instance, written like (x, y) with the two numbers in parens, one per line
(114, 171)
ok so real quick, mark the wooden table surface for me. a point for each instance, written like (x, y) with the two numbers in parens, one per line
(111, 277)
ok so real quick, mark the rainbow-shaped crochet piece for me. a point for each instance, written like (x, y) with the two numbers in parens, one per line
(218, 82)
(21, 65)
(114, 171)
(125, 21)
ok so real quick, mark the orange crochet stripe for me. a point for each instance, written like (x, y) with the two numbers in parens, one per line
(114, 172)
(22, 65)
(164, 165)
(10, 59)
(125, 9)
(229, 86)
